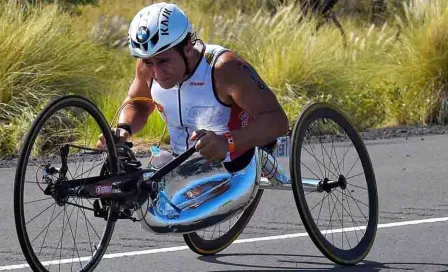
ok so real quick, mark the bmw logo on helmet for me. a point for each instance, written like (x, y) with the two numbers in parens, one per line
(142, 34)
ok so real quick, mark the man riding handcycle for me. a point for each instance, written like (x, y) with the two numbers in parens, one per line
(213, 102)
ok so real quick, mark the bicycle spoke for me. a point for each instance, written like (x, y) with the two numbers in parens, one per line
(329, 221)
(60, 241)
(87, 227)
(77, 165)
(337, 160)
(60, 250)
(352, 167)
(315, 157)
(350, 210)
(88, 221)
(213, 234)
(323, 164)
(356, 202)
(48, 226)
(334, 167)
(79, 206)
(89, 170)
(343, 158)
(208, 234)
(326, 195)
(323, 157)
(70, 173)
(341, 220)
(34, 201)
(332, 212)
(351, 217)
(363, 188)
(73, 250)
(334, 204)
(46, 232)
(318, 216)
(357, 175)
(310, 170)
(26, 223)
(342, 212)
(93, 167)
(73, 237)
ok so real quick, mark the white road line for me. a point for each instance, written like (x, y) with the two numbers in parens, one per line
(239, 241)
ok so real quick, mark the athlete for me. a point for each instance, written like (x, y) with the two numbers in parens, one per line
(208, 95)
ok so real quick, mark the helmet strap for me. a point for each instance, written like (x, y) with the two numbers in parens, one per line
(182, 54)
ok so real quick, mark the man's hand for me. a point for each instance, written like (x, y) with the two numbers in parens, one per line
(213, 147)
(124, 137)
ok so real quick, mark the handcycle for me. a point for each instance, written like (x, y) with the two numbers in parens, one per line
(64, 186)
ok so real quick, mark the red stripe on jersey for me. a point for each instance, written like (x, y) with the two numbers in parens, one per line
(238, 119)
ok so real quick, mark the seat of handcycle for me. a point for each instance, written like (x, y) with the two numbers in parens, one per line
(198, 194)
(242, 161)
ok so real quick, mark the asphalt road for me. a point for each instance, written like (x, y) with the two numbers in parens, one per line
(412, 235)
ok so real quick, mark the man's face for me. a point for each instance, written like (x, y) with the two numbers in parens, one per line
(167, 68)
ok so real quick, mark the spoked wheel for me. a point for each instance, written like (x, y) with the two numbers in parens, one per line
(57, 231)
(334, 184)
(214, 239)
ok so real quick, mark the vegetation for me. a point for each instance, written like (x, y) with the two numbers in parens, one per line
(395, 73)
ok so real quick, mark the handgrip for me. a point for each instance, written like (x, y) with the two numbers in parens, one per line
(116, 138)
(174, 163)
(177, 161)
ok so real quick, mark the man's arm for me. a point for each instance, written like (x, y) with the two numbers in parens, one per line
(136, 113)
(237, 82)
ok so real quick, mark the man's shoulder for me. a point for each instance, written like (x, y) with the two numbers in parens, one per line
(212, 52)
(227, 68)
(228, 61)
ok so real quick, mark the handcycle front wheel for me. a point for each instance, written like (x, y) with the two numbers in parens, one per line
(334, 184)
(56, 229)
(204, 242)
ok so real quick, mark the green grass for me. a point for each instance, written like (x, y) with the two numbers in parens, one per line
(385, 75)
(419, 66)
(41, 57)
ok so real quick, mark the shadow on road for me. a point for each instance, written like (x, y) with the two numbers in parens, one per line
(293, 262)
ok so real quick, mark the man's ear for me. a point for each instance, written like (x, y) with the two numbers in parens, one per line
(188, 48)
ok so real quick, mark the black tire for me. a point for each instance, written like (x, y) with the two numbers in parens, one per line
(42, 137)
(335, 123)
(212, 246)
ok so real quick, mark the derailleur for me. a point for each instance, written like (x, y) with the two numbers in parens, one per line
(100, 211)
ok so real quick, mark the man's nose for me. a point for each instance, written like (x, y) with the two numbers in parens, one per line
(157, 71)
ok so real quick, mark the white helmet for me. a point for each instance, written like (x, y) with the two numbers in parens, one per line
(157, 28)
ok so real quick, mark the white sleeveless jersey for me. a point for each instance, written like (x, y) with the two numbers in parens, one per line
(194, 105)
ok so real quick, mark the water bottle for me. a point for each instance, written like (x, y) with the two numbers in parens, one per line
(159, 157)
(271, 170)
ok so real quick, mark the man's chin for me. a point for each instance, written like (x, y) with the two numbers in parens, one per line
(166, 84)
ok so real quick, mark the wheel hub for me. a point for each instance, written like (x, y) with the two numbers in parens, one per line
(55, 187)
(327, 185)
(342, 182)
(59, 192)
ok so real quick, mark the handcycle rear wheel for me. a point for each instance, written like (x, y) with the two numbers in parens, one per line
(340, 213)
(49, 223)
(200, 244)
